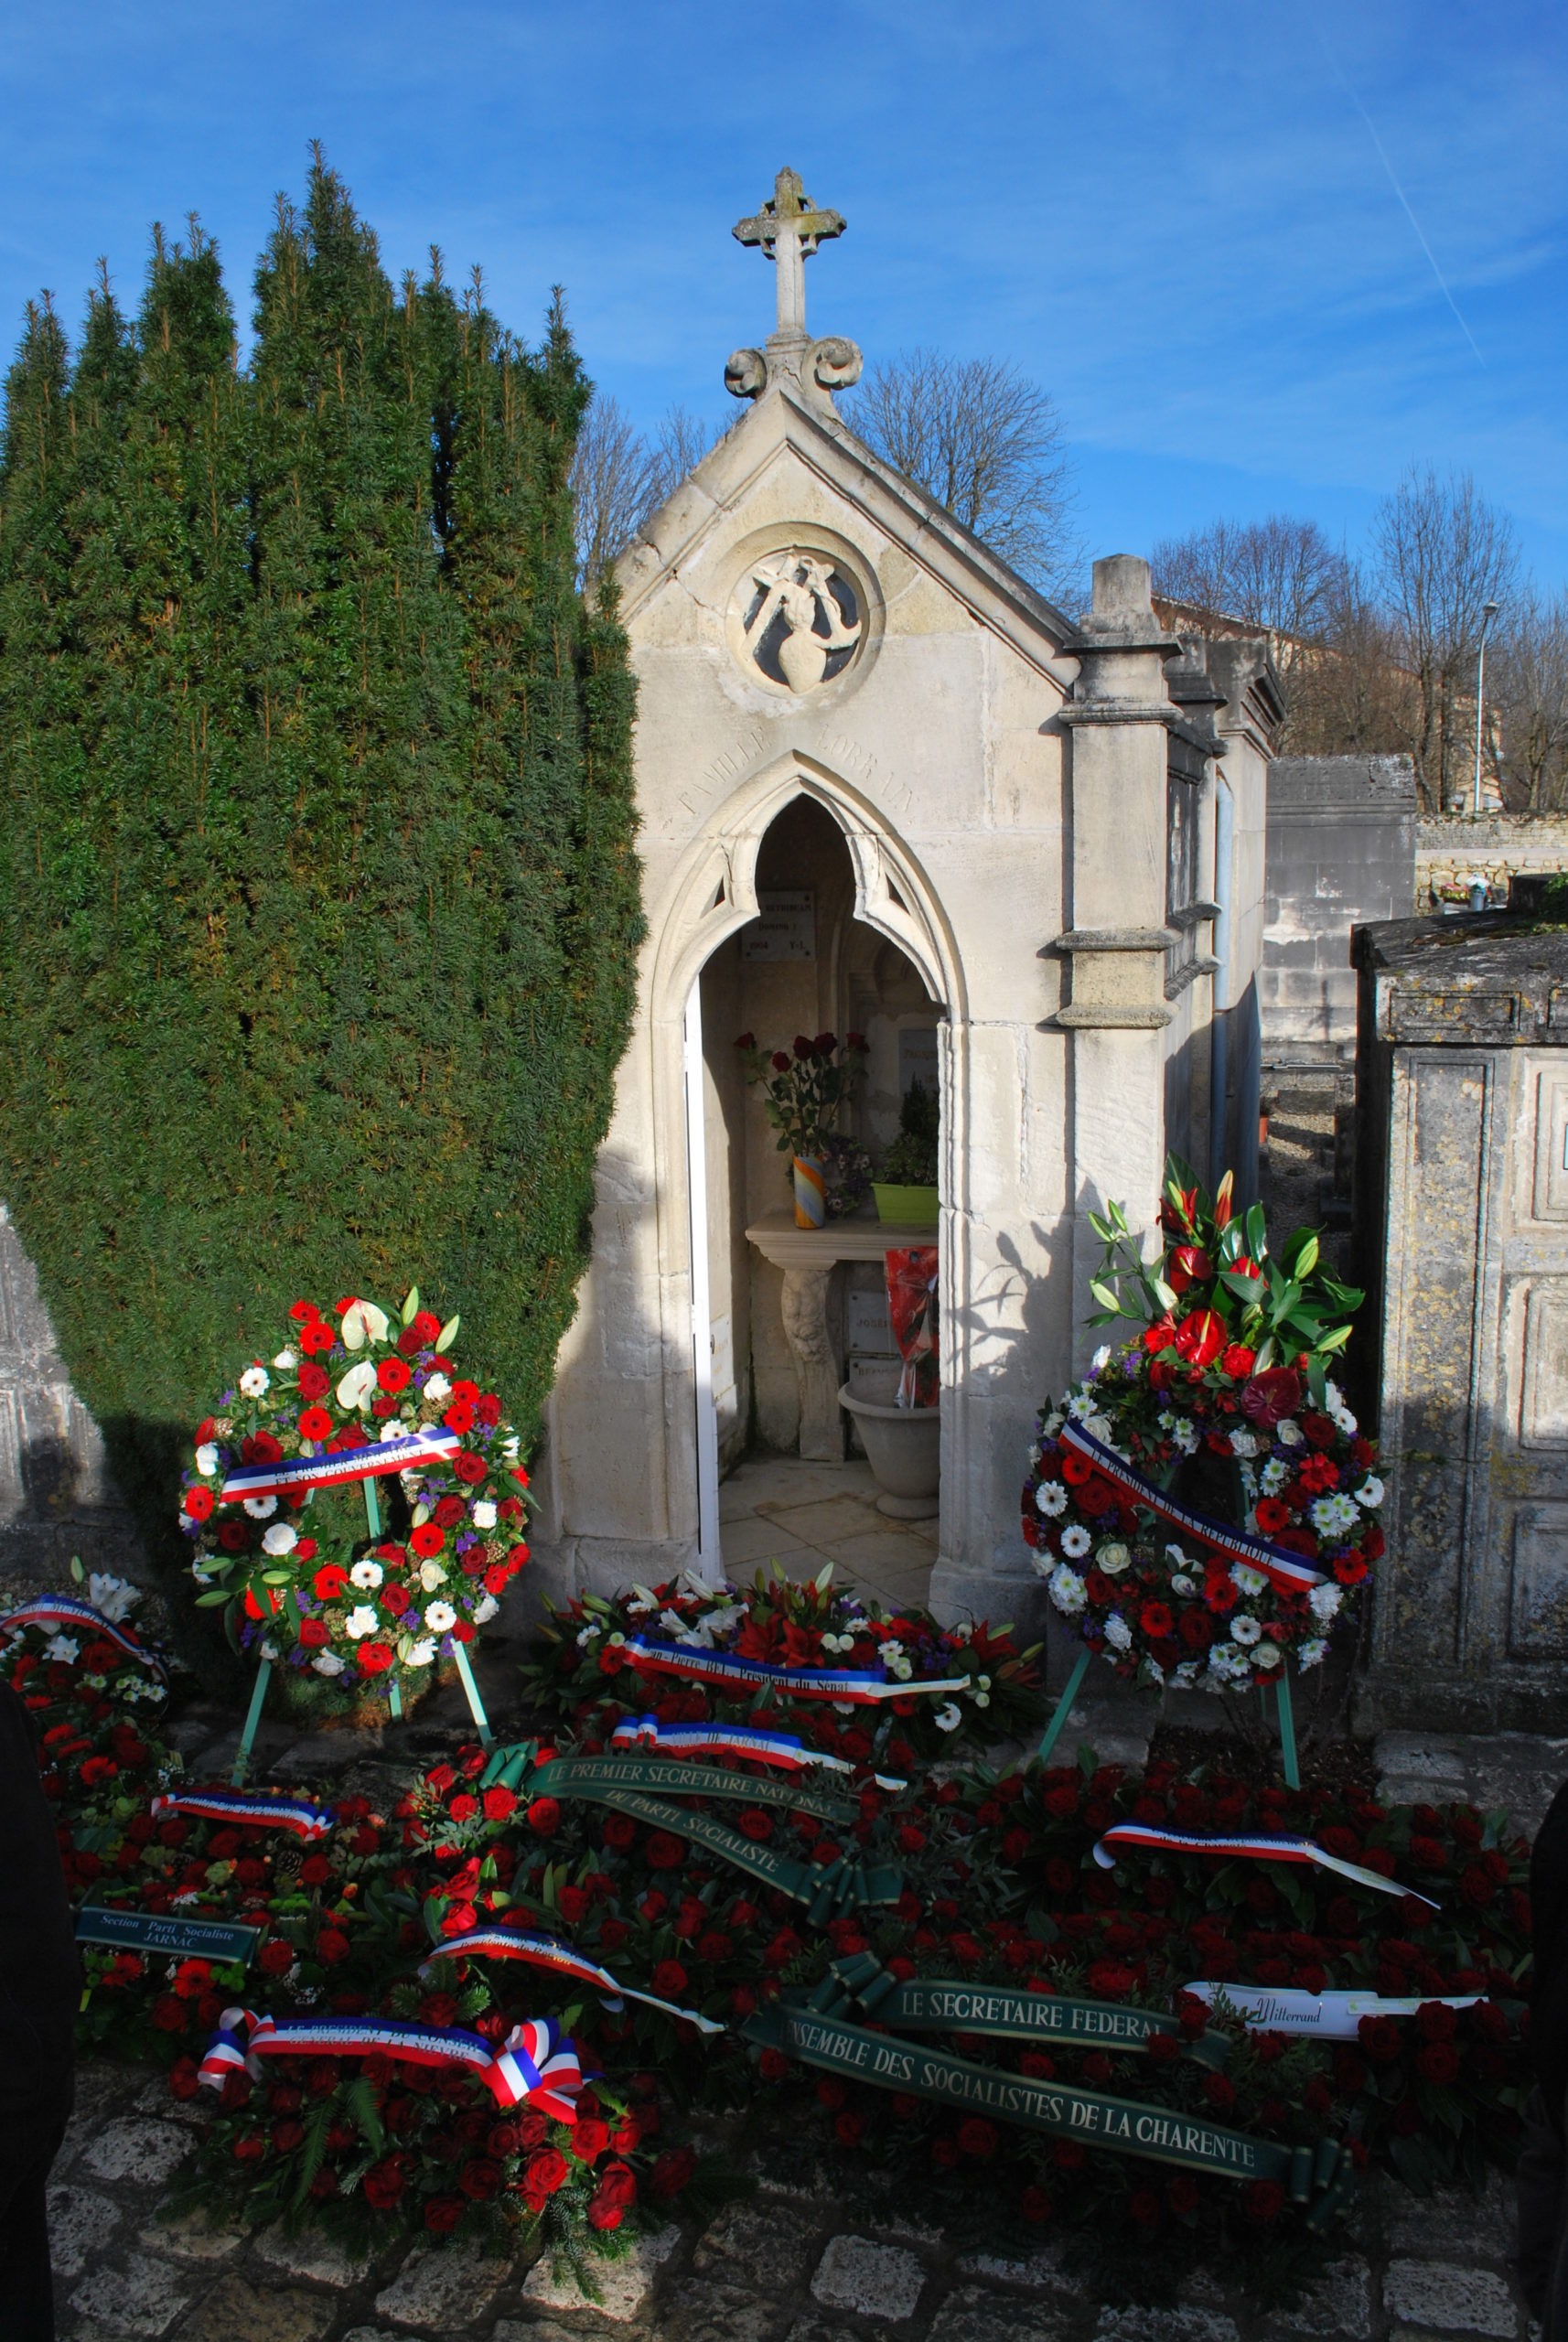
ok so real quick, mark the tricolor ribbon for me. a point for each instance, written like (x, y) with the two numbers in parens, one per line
(71, 1610)
(780, 1748)
(1139, 1834)
(719, 1667)
(1287, 1573)
(1332, 2016)
(250, 1810)
(536, 2066)
(329, 1467)
(546, 1951)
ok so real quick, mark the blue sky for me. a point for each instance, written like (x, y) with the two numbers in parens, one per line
(1182, 221)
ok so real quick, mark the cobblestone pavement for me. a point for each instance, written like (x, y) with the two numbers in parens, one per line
(791, 2265)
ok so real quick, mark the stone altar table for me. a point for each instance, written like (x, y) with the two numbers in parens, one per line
(808, 1257)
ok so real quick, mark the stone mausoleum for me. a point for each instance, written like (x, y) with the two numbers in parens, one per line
(884, 786)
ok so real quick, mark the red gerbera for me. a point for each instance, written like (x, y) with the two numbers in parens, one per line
(316, 1336)
(315, 1423)
(392, 1374)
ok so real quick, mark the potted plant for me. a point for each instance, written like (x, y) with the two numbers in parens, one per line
(906, 1189)
(803, 1091)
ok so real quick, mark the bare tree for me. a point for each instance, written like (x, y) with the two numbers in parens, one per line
(982, 439)
(1280, 574)
(1349, 694)
(1442, 553)
(619, 479)
(1530, 695)
(613, 478)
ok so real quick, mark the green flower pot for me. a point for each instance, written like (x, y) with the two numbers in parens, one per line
(909, 1206)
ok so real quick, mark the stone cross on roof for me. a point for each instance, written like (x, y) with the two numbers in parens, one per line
(788, 231)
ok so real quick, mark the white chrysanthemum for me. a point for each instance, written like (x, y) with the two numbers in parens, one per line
(254, 1381)
(1051, 1424)
(1066, 1589)
(1183, 1585)
(1243, 1444)
(363, 1620)
(1118, 1633)
(1226, 1660)
(62, 1647)
(422, 1653)
(1273, 1476)
(438, 1387)
(366, 1575)
(1051, 1497)
(948, 1718)
(1313, 1653)
(486, 1609)
(1102, 1359)
(327, 1662)
(1075, 1540)
(285, 1361)
(1370, 1492)
(440, 1616)
(280, 1539)
(1245, 1580)
(1333, 1396)
(1324, 1600)
(1333, 1515)
(207, 1458)
(1290, 1433)
(113, 1595)
(1244, 1628)
(261, 1508)
(1185, 1676)
(1113, 1559)
(1268, 1655)
(430, 1575)
(484, 1514)
(1185, 1436)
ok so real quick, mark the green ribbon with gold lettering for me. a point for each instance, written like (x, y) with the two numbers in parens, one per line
(1164, 2134)
(948, 2004)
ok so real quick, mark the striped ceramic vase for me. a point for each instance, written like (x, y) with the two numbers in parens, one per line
(810, 1191)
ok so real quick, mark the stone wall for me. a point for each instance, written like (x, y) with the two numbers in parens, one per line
(1342, 851)
(1449, 855)
(56, 1497)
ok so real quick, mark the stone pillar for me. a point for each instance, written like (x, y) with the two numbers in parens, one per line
(1119, 717)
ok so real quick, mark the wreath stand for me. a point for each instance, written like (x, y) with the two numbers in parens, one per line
(1074, 1684)
(264, 1675)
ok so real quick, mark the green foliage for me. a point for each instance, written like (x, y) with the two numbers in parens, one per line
(318, 896)
(911, 1160)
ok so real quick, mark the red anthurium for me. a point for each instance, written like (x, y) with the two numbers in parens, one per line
(1200, 1338)
(1188, 1265)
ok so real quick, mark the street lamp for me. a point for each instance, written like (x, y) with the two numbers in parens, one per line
(1488, 612)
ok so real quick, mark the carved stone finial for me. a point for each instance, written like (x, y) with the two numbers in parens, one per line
(834, 363)
(788, 231)
(745, 373)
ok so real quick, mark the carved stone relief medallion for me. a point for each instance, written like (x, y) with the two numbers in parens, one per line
(797, 619)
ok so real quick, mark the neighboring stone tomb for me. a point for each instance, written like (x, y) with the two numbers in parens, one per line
(1462, 1239)
(992, 838)
(1341, 854)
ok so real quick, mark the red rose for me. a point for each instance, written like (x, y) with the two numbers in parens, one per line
(314, 1382)
(275, 1956)
(329, 1580)
(305, 1551)
(448, 1512)
(470, 1470)
(1265, 2200)
(391, 1374)
(442, 2214)
(408, 1342)
(619, 1830)
(1160, 1336)
(1195, 1629)
(546, 2172)
(395, 1598)
(613, 2198)
(489, 1410)
(1320, 1432)
(198, 1502)
(543, 1816)
(427, 1541)
(976, 2137)
(1237, 1361)
(672, 2172)
(498, 1803)
(312, 1633)
(664, 1852)
(669, 1979)
(479, 2179)
(331, 1946)
(315, 1423)
(1438, 2062)
(590, 2139)
(375, 1658)
(1036, 2205)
